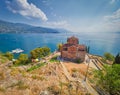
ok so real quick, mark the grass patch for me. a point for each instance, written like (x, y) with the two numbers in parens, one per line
(20, 64)
(16, 65)
(54, 59)
(35, 67)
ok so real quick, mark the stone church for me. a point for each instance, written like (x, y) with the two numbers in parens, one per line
(72, 50)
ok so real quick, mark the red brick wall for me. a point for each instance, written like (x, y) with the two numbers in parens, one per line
(72, 52)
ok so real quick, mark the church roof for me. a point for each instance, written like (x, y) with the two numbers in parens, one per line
(73, 37)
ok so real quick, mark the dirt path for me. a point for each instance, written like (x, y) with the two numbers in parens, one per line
(80, 80)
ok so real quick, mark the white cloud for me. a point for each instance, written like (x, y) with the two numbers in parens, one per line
(114, 16)
(112, 22)
(25, 9)
(109, 23)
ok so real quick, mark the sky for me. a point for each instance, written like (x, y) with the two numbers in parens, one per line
(73, 15)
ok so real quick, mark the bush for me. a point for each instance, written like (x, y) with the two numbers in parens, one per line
(78, 61)
(3, 59)
(40, 52)
(9, 55)
(108, 56)
(22, 59)
(109, 79)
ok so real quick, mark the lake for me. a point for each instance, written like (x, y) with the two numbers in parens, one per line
(98, 42)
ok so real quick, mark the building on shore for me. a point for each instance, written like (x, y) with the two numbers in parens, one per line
(73, 51)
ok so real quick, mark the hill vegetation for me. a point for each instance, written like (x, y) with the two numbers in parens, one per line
(107, 80)
(28, 76)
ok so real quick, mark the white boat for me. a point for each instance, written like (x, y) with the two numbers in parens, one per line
(18, 50)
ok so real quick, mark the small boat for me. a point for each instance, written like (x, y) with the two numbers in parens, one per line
(18, 50)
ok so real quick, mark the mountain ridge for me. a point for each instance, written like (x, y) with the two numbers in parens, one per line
(9, 27)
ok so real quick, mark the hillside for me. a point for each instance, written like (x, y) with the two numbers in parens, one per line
(8, 27)
(48, 77)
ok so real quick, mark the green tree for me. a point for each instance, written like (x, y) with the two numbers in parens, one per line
(9, 55)
(22, 59)
(34, 54)
(108, 79)
(117, 59)
(40, 52)
(109, 56)
(46, 51)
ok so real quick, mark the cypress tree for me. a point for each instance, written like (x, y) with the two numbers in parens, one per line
(117, 59)
(88, 49)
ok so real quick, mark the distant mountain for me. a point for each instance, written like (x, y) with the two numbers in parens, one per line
(42, 30)
(8, 27)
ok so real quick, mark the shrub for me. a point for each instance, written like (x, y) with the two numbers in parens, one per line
(3, 59)
(78, 61)
(40, 52)
(108, 56)
(9, 55)
(22, 59)
(109, 79)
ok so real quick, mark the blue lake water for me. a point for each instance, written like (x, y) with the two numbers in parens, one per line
(98, 42)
